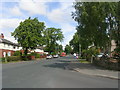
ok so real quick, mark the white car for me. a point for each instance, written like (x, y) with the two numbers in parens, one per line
(100, 55)
(55, 56)
(48, 56)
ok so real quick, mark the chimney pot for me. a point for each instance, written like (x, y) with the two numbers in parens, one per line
(1, 36)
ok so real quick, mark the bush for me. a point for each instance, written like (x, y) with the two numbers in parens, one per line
(24, 58)
(17, 53)
(2, 59)
(35, 54)
(13, 58)
(89, 53)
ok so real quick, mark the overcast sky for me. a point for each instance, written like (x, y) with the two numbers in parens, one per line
(54, 14)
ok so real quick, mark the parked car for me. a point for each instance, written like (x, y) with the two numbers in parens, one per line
(63, 54)
(55, 56)
(77, 56)
(48, 56)
(100, 55)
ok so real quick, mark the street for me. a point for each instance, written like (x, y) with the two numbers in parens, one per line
(50, 73)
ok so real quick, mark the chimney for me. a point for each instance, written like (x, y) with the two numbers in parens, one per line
(1, 36)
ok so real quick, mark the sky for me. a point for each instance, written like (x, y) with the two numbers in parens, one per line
(52, 13)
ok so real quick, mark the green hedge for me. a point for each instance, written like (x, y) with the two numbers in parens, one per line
(2, 59)
(17, 53)
(35, 54)
(13, 58)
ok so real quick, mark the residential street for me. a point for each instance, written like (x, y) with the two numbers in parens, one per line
(50, 73)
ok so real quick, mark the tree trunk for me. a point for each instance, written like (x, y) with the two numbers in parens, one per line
(25, 52)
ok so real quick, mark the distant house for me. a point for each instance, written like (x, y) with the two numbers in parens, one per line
(113, 45)
(7, 47)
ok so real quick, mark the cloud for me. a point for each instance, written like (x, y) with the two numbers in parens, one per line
(68, 28)
(15, 11)
(9, 23)
(33, 7)
(62, 14)
(7, 26)
(68, 31)
(67, 38)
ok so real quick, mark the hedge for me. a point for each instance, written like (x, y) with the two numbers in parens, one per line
(2, 59)
(17, 53)
(35, 54)
(13, 58)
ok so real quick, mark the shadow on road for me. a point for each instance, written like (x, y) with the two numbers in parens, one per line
(70, 63)
(57, 65)
(64, 61)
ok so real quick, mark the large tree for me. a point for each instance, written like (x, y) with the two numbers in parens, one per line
(68, 49)
(52, 36)
(74, 43)
(29, 34)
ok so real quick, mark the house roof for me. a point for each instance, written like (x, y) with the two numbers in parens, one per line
(40, 47)
(2, 40)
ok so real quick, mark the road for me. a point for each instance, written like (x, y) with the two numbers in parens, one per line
(50, 73)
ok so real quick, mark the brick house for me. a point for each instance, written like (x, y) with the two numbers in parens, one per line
(7, 47)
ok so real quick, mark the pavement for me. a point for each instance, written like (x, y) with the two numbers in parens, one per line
(89, 69)
(51, 73)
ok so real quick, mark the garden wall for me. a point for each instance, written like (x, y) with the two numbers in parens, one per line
(107, 63)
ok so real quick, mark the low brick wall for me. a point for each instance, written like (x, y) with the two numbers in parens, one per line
(108, 64)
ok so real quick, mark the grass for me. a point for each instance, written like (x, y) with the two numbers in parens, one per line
(83, 61)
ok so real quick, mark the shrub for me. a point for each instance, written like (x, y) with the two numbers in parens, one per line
(13, 58)
(37, 55)
(89, 53)
(33, 54)
(2, 59)
(17, 53)
(24, 58)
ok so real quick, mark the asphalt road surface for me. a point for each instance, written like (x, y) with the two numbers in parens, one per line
(50, 73)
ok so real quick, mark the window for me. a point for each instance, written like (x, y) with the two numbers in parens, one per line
(9, 53)
(4, 54)
(13, 47)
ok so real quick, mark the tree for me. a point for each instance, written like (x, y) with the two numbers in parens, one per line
(116, 31)
(52, 36)
(68, 49)
(29, 34)
(75, 43)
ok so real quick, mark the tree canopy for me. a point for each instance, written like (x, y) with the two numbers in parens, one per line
(68, 49)
(29, 34)
(52, 36)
